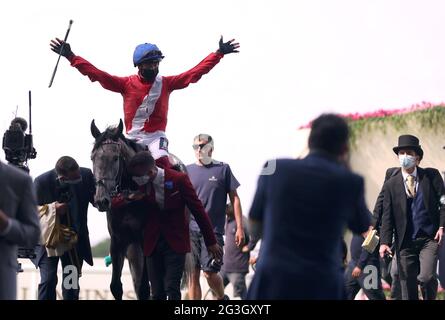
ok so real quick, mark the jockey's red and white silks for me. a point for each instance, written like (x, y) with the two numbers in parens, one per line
(145, 103)
(146, 108)
(151, 140)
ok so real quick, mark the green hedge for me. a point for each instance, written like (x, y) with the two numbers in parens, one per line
(430, 119)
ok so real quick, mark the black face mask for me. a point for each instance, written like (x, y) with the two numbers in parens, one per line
(149, 74)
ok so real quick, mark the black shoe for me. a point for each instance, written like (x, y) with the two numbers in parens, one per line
(226, 297)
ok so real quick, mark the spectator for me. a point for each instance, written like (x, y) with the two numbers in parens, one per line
(301, 210)
(19, 224)
(236, 259)
(63, 195)
(213, 181)
(413, 213)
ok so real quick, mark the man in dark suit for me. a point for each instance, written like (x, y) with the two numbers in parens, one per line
(360, 267)
(389, 266)
(19, 224)
(166, 235)
(68, 189)
(236, 260)
(414, 214)
(301, 210)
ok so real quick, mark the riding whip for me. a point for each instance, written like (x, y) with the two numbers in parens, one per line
(60, 52)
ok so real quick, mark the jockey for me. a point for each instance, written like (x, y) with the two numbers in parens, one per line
(146, 93)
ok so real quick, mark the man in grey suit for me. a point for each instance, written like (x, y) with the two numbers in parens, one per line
(19, 224)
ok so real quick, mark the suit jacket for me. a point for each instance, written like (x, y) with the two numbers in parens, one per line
(304, 207)
(18, 202)
(395, 214)
(47, 192)
(378, 208)
(172, 221)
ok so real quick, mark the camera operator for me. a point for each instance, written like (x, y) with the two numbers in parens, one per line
(18, 148)
(19, 224)
(17, 145)
(63, 195)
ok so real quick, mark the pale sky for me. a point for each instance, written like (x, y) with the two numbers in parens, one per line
(297, 60)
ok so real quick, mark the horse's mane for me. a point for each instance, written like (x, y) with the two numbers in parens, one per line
(110, 134)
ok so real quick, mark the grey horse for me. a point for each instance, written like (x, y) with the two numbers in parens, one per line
(110, 155)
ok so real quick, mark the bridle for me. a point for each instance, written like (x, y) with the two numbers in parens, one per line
(117, 179)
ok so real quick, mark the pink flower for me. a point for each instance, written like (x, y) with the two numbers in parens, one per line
(381, 113)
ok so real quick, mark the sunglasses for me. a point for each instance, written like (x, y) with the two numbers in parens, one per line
(199, 146)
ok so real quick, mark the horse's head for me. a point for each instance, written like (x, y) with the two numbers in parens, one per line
(110, 154)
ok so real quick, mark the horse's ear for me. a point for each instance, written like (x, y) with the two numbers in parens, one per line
(120, 128)
(94, 130)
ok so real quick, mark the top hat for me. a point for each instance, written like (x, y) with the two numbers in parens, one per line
(410, 142)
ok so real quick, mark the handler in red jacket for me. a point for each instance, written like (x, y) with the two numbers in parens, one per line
(166, 235)
(146, 94)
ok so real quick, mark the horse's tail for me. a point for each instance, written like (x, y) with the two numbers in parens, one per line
(190, 266)
(190, 261)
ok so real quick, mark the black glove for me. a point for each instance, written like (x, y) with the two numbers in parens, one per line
(59, 46)
(227, 47)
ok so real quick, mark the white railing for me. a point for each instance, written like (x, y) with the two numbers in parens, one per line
(94, 283)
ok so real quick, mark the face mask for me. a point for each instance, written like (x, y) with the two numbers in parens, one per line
(149, 74)
(407, 161)
(76, 181)
(70, 182)
(140, 181)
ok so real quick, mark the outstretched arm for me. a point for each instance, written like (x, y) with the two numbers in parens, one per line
(109, 82)
(193, 75)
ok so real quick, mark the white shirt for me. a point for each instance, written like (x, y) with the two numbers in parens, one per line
(405, 180)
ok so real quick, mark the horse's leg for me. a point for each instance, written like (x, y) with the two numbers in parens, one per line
(136, 261)
(117, 259)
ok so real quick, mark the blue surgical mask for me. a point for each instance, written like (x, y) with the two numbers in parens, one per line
(140, 181)
(407, 161)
